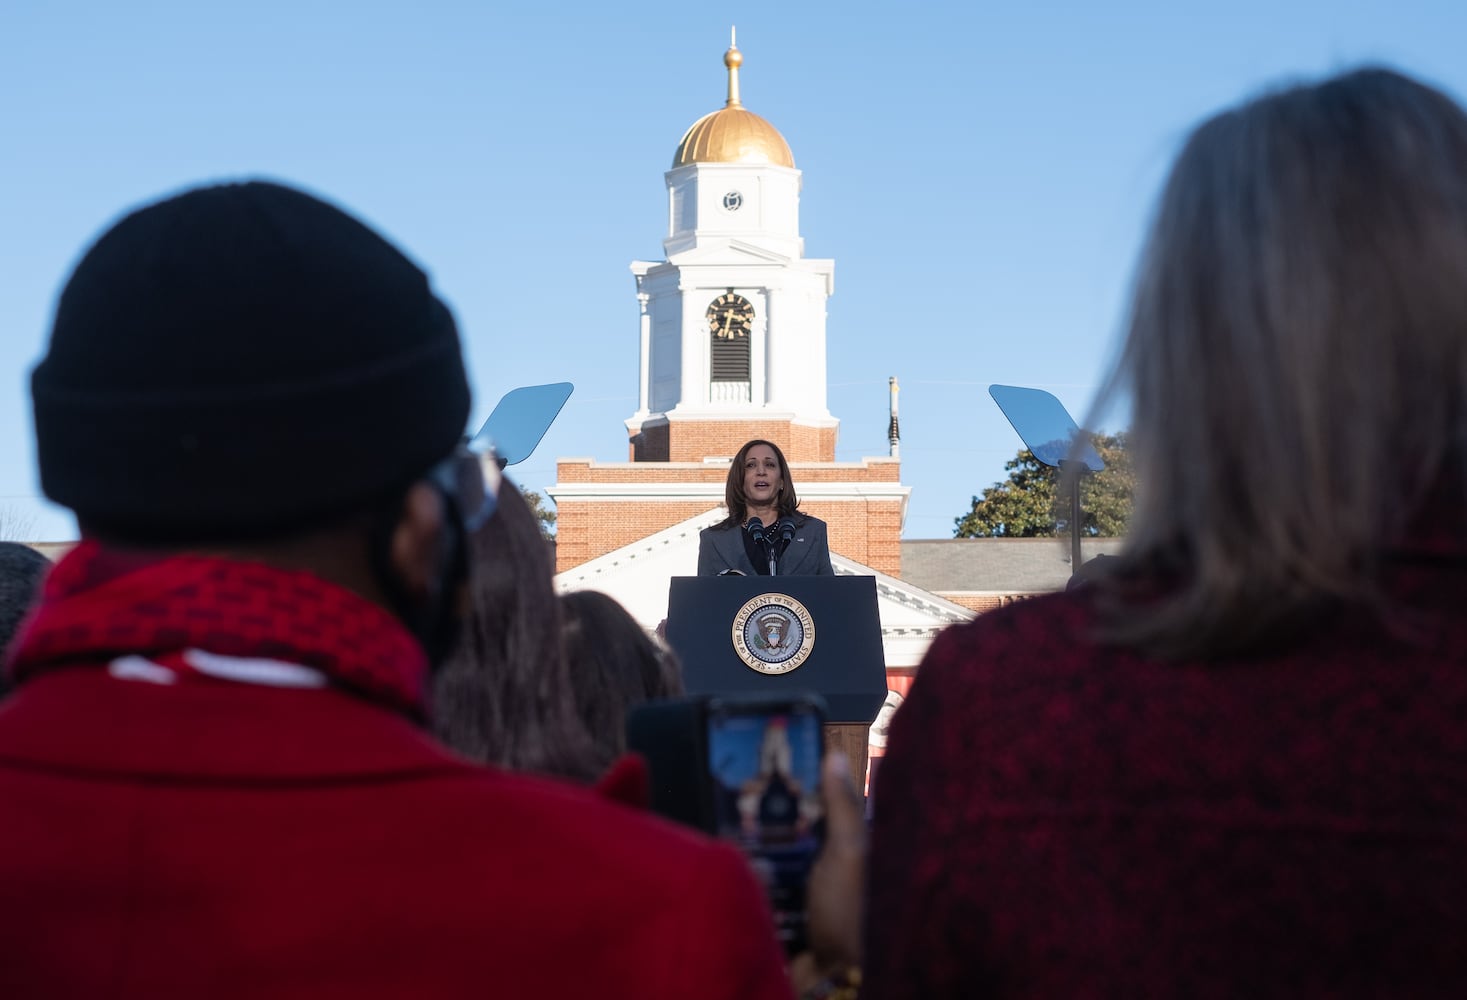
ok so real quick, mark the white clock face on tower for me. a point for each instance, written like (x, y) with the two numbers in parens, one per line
(733, 201)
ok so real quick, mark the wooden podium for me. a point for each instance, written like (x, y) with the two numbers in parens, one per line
(774, 636)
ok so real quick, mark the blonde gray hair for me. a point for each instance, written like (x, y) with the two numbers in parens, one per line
(1296, 359)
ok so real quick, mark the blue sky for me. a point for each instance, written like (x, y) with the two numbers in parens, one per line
(980, 173)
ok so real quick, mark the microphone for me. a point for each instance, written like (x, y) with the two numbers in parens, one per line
(786, 527)
(755, 528)
(786, 530)
(756, 531)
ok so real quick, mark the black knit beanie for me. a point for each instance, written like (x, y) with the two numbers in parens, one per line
(241, 361)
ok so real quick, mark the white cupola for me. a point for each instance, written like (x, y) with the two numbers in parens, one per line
(733, 320)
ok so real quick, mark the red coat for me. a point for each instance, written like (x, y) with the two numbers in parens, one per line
(1057, 818)
(207, 838)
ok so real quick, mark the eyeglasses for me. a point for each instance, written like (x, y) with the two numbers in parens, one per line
(470, 478)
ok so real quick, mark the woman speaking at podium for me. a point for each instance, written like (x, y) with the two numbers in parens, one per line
(764, 534)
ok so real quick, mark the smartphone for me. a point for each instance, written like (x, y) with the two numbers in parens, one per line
(763, 759)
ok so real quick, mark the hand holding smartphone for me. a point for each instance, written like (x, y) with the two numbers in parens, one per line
(747, 770)
(764, 764)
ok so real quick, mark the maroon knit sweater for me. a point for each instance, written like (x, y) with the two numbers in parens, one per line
(1055, 818)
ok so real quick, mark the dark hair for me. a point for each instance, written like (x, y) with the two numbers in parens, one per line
(733, 491)
(1295, 358)
(614, 665)
(21, 571)
(504, 696)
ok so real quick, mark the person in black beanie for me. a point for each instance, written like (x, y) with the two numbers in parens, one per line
(21, 571)
(214, 770)
(239, 362)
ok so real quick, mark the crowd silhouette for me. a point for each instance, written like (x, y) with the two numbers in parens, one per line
(302, 714)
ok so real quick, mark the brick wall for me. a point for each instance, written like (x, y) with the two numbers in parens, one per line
(585, 470)
(866, 530)
(585, 529)
(695, 440)
(811, 444)
(868, 470)
(981, 602)
(650, 444)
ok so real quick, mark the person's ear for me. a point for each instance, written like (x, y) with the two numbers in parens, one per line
(417, 549)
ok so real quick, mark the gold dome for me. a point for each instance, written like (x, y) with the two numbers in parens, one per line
(733, 134)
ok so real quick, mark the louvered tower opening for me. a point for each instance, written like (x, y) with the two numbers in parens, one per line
(730, 357)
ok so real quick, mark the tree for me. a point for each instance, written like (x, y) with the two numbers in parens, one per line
(544, 516)
(1029, 505)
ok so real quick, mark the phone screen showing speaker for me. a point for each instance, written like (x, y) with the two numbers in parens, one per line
(765, 764)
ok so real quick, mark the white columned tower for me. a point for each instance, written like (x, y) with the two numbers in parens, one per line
(733, 320)
(730, 346)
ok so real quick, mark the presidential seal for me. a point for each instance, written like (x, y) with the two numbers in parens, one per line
(773, 634)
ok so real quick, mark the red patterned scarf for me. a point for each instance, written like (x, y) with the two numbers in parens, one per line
(100, 604)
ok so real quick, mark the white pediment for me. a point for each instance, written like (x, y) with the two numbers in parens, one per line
(638, 576)
(727, 253)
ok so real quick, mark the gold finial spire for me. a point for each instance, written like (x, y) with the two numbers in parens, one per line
(733, 58)
(733, 133)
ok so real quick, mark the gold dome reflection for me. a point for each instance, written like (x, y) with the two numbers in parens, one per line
(733, 134)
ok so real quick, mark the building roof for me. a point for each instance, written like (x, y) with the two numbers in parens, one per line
(995, 565)
(733, 134)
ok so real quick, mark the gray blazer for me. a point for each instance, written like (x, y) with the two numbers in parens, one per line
(808, 555)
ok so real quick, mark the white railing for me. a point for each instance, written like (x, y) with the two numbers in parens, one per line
(729, 392)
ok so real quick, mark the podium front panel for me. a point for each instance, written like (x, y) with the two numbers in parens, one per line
(740, 635)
